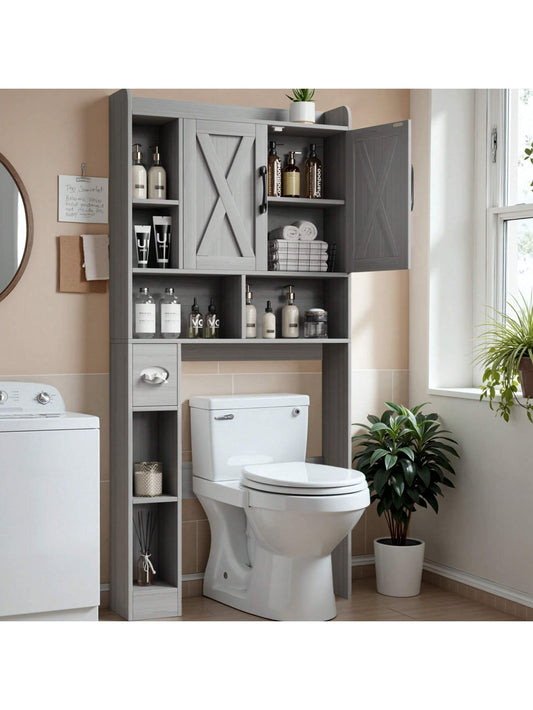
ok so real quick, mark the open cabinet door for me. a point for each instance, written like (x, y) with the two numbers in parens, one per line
(378, 191)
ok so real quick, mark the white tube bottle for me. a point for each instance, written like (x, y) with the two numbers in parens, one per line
(269, 322)
(250, 327)
(138, 174)
(290, 317)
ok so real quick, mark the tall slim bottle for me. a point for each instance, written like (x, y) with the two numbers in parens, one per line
(291, 177)
(290, 317)
(138, 174)
(196, 322)
(144, 314)
(250, 328)
(274, 171)
(157, 178)
(313, 175)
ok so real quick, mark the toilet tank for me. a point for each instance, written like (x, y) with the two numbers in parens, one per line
(232, 431)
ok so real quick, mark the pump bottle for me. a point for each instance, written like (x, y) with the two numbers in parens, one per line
(290, 317)
(250, 330)
(157, 179)
(269, 322)
(138, 174)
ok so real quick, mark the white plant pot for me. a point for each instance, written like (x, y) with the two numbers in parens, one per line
(399, 567)
(302, 111)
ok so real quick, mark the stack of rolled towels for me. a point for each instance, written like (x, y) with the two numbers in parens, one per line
(295, 247)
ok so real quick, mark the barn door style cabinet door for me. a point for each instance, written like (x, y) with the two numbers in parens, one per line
(222, 195)
(216, 158)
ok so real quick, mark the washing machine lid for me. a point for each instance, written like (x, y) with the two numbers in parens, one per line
(301, 478)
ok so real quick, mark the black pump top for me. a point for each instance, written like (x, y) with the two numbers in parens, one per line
(272, 146)
(268, 309)
(212, 308)
(195, 307)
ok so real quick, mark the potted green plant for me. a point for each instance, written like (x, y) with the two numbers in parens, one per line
(302, 108)
(505, 354)
(404, 455)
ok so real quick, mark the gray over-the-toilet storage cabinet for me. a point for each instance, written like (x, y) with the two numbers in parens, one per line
(216, 196)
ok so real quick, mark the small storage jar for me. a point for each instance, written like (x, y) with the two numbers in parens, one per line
(147, 479)
(316, 323)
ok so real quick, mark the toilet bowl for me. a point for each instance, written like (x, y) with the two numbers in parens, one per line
(273, 524)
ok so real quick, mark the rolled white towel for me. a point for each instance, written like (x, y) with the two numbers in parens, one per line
(290, 233)
(308, 230)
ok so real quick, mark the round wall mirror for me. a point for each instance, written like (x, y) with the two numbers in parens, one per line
(16, 227)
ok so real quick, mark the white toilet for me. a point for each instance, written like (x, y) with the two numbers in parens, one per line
(274, 518)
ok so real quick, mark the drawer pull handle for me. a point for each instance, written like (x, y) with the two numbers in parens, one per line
(225, 417)
(154, 375)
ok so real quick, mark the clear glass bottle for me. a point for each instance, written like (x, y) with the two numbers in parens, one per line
(250, 326)
(274, 171)
(144, 314)
(170, 315)
(196, 322)
(212, 322)
(157, 178)
(291, 177)
(313, 175)
(145, 574)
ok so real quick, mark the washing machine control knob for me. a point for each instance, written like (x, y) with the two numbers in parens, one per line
(3, 396)
(43, 397)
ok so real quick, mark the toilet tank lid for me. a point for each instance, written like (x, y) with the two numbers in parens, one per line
(249, 401)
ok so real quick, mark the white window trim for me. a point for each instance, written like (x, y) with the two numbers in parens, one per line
(489, 217)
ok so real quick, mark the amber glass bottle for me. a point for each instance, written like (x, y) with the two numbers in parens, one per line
(313, 174)
(274, 171)
(291, 177)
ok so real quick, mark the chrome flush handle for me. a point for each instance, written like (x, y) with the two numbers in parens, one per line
(225, 417)
(154, 375)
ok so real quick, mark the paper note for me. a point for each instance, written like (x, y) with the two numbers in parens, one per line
(83, 199)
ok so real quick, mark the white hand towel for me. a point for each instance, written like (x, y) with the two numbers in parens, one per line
(289, 233)
(96, 256)
(308, 230)
(276, 266)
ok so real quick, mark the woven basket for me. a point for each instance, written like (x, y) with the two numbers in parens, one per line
(147, 479)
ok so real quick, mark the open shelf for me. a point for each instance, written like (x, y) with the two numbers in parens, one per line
(303, 201)
(147, 204)
(139, 500)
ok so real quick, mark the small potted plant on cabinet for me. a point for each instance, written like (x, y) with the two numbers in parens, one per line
(405, 458)
(302, 108)
(506, 356)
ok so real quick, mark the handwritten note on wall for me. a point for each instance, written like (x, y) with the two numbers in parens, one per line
(83, 199)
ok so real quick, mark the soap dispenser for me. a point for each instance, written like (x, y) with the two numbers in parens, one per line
(212, 322)
(196, 322)
(290, 317)
(250, 315)
(269, 322)
(138, 174)
(157, 179)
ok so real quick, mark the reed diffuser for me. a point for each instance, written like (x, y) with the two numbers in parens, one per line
(144, 529)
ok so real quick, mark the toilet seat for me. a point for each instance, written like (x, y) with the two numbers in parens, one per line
(298, 478)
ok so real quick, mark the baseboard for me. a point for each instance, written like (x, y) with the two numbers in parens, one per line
(498, 596)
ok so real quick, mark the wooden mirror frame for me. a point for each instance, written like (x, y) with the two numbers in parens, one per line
(29, 226)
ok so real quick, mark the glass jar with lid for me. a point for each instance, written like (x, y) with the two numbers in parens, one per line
(316, 323)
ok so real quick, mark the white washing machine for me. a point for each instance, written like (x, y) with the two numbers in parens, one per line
(49, 507)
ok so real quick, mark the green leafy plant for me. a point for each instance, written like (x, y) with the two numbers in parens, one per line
(301, 95)
(405, 458)
(506, 339)
(529, 156)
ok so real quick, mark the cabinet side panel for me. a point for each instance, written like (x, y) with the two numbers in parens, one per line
(120, 225)
(336, 440)
(121, 466)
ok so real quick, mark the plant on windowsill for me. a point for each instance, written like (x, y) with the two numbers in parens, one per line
(506, 356)
(302, 108)
(404, 455)
(529, 156)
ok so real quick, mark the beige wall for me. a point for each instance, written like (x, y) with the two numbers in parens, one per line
(63, 339)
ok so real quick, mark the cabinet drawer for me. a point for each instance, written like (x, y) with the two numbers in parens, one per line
(155, 603)
(148, 390)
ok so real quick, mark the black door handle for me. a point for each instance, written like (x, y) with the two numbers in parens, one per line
(412, 187)
(263, 173)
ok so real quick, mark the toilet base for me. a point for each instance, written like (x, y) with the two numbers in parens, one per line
(280, 588)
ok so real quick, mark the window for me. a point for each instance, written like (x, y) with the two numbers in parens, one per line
(510, 173)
